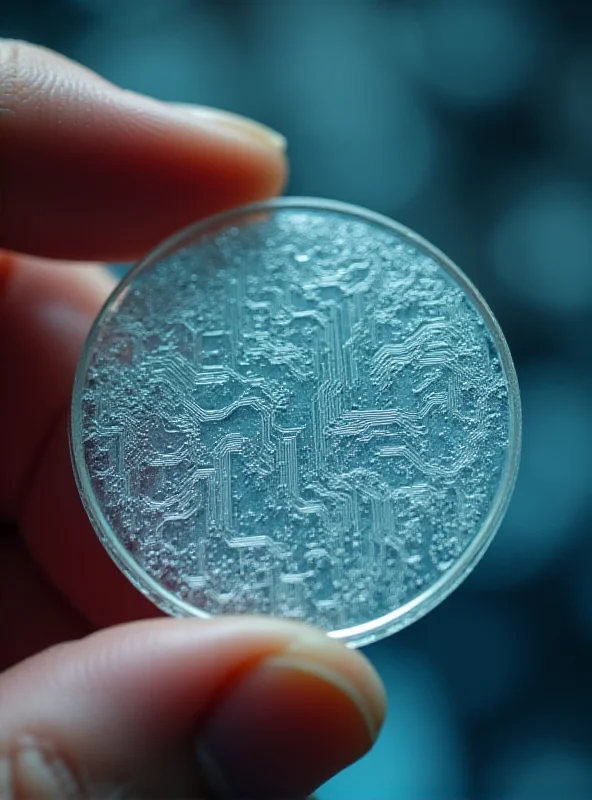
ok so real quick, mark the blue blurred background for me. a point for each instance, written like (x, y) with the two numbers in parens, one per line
(471, 122)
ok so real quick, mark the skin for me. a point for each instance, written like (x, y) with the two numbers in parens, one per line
(99, 694)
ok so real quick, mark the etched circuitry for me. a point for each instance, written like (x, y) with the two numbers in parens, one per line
(303, 414)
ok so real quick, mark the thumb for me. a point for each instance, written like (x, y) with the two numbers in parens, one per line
(244, 707)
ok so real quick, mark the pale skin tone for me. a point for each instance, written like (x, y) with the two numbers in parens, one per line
(98, 691)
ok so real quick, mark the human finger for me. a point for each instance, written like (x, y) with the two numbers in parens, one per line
(90, 171)
(46, 310)
(246, 707)
(33, 615)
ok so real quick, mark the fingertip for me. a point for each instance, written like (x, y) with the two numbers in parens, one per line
(287, 727)
(358, 676)
(255, 132)
(92, 171)
(259, 706)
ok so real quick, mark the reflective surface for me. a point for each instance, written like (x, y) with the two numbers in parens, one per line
(299, 409)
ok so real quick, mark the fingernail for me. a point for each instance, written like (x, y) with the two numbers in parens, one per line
(236, 122)
(292, 722)
(37, 771)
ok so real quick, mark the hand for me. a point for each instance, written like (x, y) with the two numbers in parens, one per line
(99, 696)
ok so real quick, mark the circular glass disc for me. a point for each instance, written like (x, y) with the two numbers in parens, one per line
(297, 408)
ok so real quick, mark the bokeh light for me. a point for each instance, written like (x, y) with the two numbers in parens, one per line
(358, 136)
(540, 765)
(177, 57)
(419, 753)
(456, 47)
(542, 247)
(552, 494)
(484, 650)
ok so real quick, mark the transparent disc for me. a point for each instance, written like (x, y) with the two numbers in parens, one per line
(298, 408)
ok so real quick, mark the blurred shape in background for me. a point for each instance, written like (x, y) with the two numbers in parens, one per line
(581, 591)
(540, 765)
(419, 753)
(542, 247)
(136, 12)
(179, 52)
(361, 132)
(484, 650)
(565, 111)
(470, 52)
(552, 496)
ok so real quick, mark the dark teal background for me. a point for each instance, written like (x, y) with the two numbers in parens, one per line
(471, 122)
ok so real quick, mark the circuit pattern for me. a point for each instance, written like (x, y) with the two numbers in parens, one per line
(303, 415)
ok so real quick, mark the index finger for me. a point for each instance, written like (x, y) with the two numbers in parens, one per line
(90, 171)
